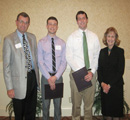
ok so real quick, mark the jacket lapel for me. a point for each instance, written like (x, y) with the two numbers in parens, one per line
(17, 41)
(30, 41)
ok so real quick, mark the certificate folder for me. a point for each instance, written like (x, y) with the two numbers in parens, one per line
(79, 79)
(57, 93)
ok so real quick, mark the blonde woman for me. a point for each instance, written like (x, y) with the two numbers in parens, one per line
(110, 75)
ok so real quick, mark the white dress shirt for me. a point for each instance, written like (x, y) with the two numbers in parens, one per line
(74, 50)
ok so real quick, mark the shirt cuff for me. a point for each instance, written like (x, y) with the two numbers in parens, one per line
(93, 71)
(57, 76)
(48, 76)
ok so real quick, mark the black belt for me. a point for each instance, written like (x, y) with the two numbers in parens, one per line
(52, 74)
(31, 71)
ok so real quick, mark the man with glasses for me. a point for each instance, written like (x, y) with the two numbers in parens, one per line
(20, 69)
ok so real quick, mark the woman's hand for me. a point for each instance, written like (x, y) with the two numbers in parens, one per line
(105, 87)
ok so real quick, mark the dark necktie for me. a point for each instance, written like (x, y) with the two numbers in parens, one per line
(53, 56)
(27, 54)
(85, 50)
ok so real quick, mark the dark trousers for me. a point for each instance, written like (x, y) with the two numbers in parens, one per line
(26, 108)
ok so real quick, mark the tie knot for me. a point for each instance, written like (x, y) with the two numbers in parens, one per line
(24, 40)
(83, 33)
(23, 36)
(52, 39)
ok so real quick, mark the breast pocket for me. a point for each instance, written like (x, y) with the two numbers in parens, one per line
(77, 51)
(47, 54)
(58, 53)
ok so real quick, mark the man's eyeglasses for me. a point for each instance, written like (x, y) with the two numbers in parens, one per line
(22, 22)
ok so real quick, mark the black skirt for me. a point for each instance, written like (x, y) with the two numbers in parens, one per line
(112, 103)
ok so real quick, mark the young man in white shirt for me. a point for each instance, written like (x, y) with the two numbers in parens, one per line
(75, 58)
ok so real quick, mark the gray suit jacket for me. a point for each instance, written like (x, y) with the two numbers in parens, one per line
(14, 62)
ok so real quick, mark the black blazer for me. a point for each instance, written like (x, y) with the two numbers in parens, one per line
(111, 67)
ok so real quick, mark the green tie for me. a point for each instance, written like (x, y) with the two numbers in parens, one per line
(85, 50)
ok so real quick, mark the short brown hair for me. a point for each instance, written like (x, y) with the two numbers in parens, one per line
(52, 18)
(24, 15)
(81, 12)
(111, 29)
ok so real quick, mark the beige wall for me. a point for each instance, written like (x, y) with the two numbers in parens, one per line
(102, 14)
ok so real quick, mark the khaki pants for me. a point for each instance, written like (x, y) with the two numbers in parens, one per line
(86, 95)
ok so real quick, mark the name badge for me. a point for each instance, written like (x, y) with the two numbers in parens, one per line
(18, 45)
(58, 47)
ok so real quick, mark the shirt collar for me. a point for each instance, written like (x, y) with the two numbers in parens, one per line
(49, 37)
(21, 35)
(81, 31)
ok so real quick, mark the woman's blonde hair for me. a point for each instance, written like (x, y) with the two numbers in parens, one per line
(111, 29)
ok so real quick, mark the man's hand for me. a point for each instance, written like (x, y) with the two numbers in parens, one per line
(11, 93)
(89, 76)
(51, 82)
